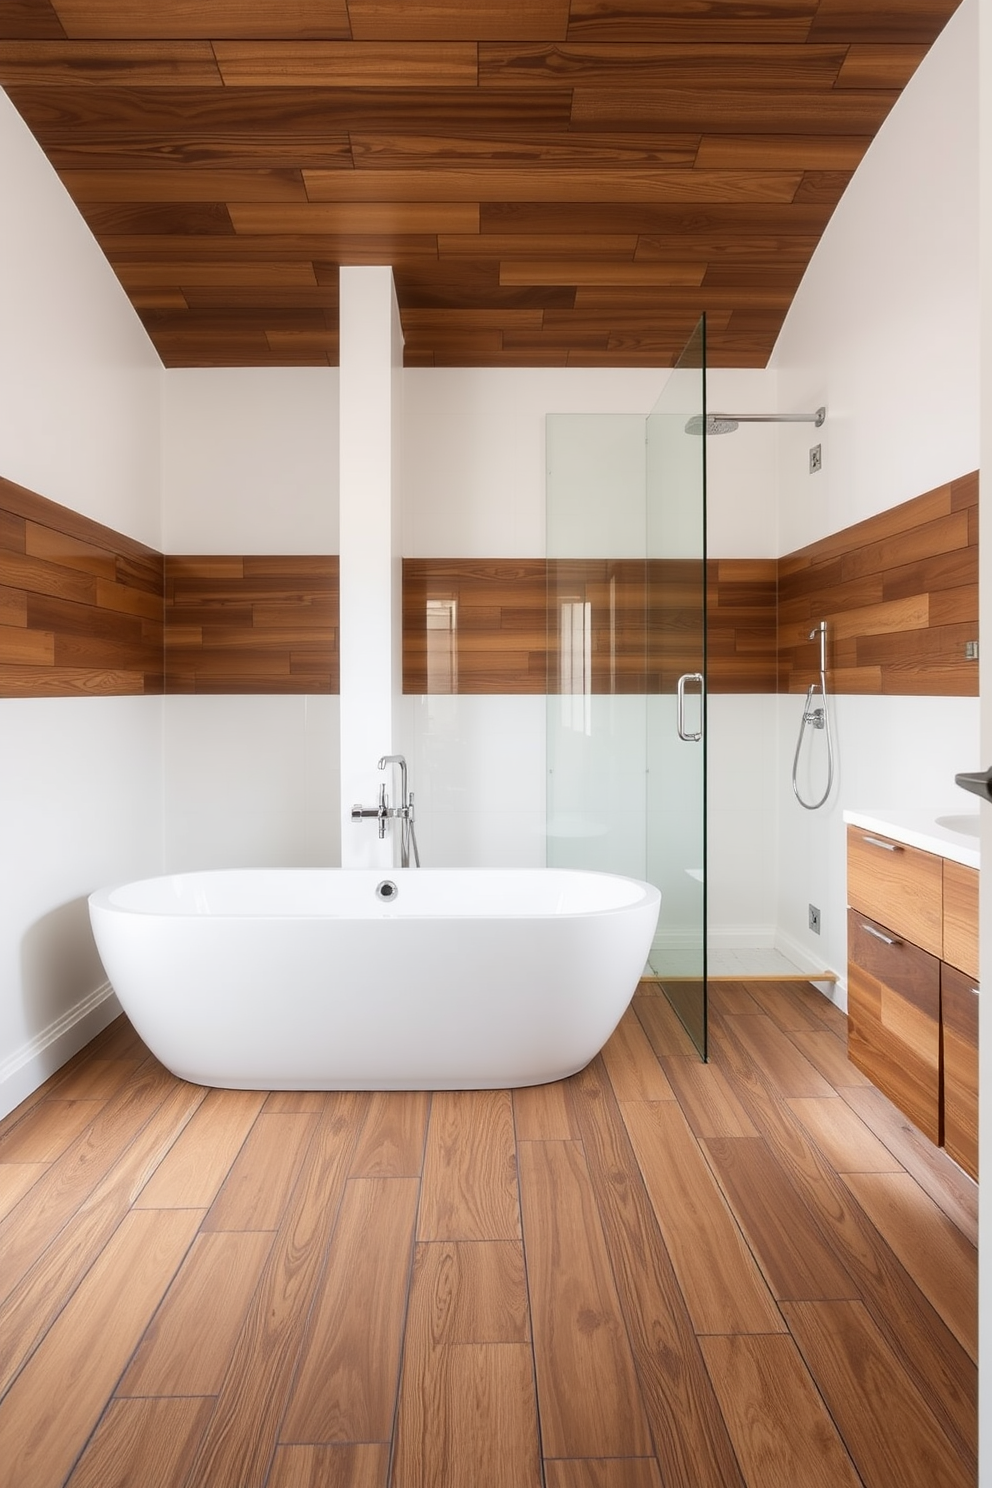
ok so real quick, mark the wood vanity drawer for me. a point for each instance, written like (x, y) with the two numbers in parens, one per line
(961, 917)
(893, 1006)
(959, 1010)
(897, 886)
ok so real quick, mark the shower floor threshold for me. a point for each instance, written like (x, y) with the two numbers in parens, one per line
(733, 964)
(748, 976)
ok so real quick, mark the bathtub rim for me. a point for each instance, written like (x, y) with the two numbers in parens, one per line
(103, 899)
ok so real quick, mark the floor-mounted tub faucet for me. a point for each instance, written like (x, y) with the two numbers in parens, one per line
(403, 812)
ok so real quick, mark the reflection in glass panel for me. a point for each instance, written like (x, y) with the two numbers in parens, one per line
(442, 645)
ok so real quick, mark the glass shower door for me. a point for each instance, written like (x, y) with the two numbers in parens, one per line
(676, 673)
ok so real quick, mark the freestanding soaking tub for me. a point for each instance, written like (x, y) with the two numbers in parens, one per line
(365, 979)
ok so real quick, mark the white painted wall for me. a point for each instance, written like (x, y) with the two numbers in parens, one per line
(884, 331)
(80, 779)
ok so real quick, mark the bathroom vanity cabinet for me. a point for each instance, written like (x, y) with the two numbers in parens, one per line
(913, 980)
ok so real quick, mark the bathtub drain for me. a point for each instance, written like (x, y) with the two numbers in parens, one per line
(386, 890)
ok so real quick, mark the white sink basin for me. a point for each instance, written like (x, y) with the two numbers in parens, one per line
(966, 824)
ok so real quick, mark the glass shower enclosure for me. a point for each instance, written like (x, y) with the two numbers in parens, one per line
(626, 725)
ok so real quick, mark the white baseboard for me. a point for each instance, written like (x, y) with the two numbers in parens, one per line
(835, 992)
(30, 1066)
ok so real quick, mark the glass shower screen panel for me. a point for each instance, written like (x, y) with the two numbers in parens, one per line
(676, 688)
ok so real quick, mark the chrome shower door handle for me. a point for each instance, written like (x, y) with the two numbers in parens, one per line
(680, 711)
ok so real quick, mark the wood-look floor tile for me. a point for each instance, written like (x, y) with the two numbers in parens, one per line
(16, 1179)
(589, 1398)
(44, 1429)
(191, 1175)
(687, 1429)
(788, 1071)
(345, 1388)
(796, 1007)
(887, 1426)
(935, 1253)
(707, 1100)
(730, 997)
(541, 1113)
(632, 1064)
(364, 1465)
(48, 1130)
(842, 1136)
(187, 1347)
(724, 1290)
(98, 1080)
(781, 1232)
(146, 1442)
(827, 1052)
(620, 1472)
(60, 1259)
(284, 1102)
(241, 1436)
(932, 1355)
(934, 1171)
(467, 1291)
(781, 1430)
(45, 1209)
(665, 1033)
(468, 1417)
(392, 1141)
(470, 1179)
(255, 1191)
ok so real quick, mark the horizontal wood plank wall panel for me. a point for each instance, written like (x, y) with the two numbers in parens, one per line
(493, 626)
(900, 594)
(80, 604)
(251, 624)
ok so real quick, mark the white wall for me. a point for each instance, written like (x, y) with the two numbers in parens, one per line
(884, 331)
(250, 465)
(80, 778)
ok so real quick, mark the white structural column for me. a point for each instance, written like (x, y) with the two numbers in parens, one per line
(371, 361)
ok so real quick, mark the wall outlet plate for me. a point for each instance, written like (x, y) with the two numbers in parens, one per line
(814, 919)
(815, 459)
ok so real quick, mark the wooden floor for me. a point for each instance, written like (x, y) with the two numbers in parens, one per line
(656, 1274)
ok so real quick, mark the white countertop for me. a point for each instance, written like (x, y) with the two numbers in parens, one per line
(926, 828)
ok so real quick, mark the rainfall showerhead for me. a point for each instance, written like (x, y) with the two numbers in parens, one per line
(727, 423)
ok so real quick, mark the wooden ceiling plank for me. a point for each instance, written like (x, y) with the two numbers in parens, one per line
(458, 20)
(201, 222)
(893, 21)
(30, 20)
(562, 339)
(81, 64)
(115, 151)
(241, 299)
(316, 19)
(152, 275)
(585, 272)
(840, 111)
(780, 21)
(714, 247)
(590, 297)
(557, 151)
(158, 299)
(796, 152)
(663, 324)
(484, 320)
(606, 185)
(347, 64)
(184, 186)
(302, 341)
(823, 186)
(357, 217)
(889, 66)
(539, 245)
(135, 247)
(647, 64)
(726, 218)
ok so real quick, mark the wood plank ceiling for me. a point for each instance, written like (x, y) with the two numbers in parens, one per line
(555, 182)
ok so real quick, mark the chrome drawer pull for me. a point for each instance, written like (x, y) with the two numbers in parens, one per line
(879, 936)
(975, 990)
(877, 842)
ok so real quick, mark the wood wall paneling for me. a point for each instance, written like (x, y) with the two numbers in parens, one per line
(251, 624)
(81, 606)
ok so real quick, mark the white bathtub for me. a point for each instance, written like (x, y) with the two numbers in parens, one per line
(302, 979)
